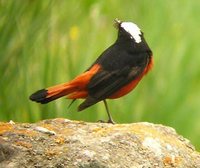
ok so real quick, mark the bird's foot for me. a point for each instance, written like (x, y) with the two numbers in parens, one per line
(110, 121)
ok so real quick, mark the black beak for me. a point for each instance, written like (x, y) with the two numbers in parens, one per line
(117, 23)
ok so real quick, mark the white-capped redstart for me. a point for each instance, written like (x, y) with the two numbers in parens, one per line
(115, 72)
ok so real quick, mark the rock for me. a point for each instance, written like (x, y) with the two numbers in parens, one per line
(62, 143)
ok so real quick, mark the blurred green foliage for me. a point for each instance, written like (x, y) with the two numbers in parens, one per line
(43, 43)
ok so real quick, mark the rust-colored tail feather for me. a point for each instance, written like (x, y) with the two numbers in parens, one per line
(44, 96)
(74, 89)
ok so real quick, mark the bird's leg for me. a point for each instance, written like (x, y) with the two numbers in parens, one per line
(71, 103)
(110, 120)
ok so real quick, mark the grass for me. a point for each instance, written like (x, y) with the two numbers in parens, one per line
(43, 43)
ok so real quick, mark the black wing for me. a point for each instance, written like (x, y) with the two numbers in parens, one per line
(119, 67)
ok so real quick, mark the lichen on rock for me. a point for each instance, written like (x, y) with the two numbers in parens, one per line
(74, 144)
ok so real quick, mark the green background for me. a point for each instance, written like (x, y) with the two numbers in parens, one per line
(43, 43)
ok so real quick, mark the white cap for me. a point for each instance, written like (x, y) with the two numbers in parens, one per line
(133, 30)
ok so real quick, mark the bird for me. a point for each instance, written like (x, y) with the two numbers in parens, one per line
(115, 73)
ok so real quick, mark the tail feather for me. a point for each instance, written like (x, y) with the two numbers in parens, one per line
(44, 96)
(39, 96)
(76, 88)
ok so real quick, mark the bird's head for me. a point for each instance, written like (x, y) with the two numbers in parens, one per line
(129, 30)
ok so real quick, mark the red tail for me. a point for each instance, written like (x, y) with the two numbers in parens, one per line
(77, 88)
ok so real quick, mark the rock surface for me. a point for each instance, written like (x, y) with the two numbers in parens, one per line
(62, 143)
